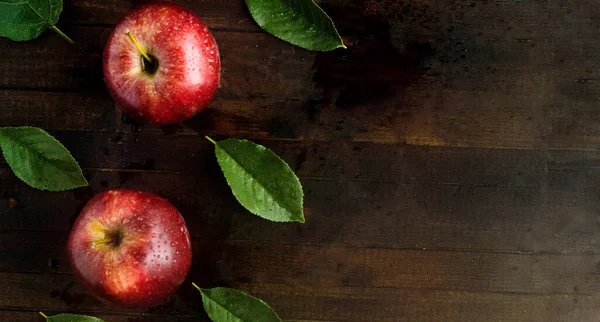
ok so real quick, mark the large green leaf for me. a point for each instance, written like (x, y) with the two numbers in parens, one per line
(70, 318)
(261, 181)
(27, 19)
(228, 305)
(39, 159)
(299, 22)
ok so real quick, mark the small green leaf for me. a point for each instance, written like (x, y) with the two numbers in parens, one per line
(261, 181)
(70, 318)
(39, 159)
(299, 22)
(228, 305)
(26, 19)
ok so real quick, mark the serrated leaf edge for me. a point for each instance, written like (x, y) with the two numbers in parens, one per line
(302, 219)
(341, 41)
(231, 289)
(3, 133)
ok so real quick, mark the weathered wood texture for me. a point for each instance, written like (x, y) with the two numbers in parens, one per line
(449, 159)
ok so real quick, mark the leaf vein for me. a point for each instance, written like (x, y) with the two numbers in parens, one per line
(24, 24)
(37, 13)
(34, 152)
(317, 27)
(224, 308)
(281, 204)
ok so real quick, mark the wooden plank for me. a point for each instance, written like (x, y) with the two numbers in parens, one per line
(262, 117)
(366, 304)
(33, 315)
(340, 161)
(60, 293)
(253, 64)
(320, 160)
(31, 292)
(230, 262)
(525, 212)
(28, 316)
(58, 110)
(255, 117)
(359, 161)
(226, 14)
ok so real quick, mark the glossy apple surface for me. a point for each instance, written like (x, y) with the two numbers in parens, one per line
(183, 74)
(130, 248)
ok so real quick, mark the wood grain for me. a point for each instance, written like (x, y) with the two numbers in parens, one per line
(330, 265)
(327, 304)
(497, 209)
(466, 76)
(227, 14)
(449, 160)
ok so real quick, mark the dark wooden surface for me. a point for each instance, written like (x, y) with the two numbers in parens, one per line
(450, 161)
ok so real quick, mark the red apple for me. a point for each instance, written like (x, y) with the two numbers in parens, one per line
(130, 248)
(182, 73)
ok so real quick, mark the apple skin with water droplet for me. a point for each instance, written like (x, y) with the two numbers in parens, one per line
(183, 74)
(130, 248)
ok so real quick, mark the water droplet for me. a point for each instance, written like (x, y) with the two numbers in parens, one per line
(172, 244)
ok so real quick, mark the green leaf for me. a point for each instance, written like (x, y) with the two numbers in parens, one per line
(299, 22)
(26, 19)
(39, 159)
(70, 318)
(228, 305)
(261, 181)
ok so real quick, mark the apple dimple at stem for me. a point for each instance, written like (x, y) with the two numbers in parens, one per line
(149, 63)
(111, 238)
(149, 66)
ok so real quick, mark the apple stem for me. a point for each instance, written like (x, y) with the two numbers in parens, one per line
(137, 45)
(44, 315)
(211, 140)
(62, 34)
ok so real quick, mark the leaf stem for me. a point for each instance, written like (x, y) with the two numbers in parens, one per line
(211, 140)
(44, 315)
(197, 287)
(62, 34)
(138, 46)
